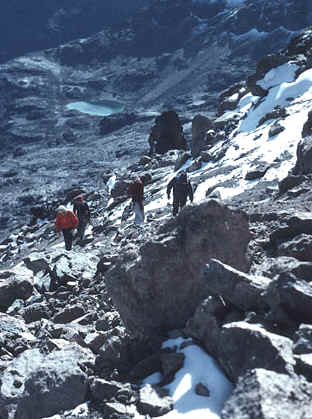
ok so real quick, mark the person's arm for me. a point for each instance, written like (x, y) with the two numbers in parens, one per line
(57, 224)
(74, 220)
(169, 187)
(190, 191)
(130, 190)
(88, 212)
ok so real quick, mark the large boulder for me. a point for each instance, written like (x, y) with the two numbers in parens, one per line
(292, 296)
(243, 346)
(241, 290)
(157, 286)
(304, 156)
(205, 325)
(307, 127)
(200, 125)
(168, 133)
(12, 287)
(36, 385)
(264, 394)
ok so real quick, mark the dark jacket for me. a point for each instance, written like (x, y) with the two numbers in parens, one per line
(81, 209)
(136, 190)
(181, 190)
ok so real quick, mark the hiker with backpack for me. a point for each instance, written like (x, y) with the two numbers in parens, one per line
(82, 211)
(66, 221)
(182, 189)
(136, 192)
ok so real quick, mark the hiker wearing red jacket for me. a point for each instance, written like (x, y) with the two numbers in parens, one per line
(136, 192)
(66, 221)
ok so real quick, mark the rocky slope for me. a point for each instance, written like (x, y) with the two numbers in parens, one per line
(208, 46)
(231, 273)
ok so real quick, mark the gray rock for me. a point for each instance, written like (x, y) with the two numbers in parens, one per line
(206, 323)
(146, 367)
(258, 172)
(300, 247)
(264, 394)
(276, 129)
(182, 158)
(200, 126)
(95, 340)
(142, 281)
(68, 314)
(105, 390)
(304, 156)
(284, 264)
(304, 365)
(202, 390)
(154, 401)
(15, 336)
(244, 346)
(168, 131)
(242, 290)
(293, 225)
(303, 340)
(13, 287)
(307, 127)
(292, 296)
(35, 385)
(35, 312)
(170, 364)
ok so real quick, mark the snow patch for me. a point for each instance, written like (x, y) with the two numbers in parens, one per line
(198, 368)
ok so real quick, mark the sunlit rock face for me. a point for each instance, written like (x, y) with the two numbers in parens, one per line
(144, 280)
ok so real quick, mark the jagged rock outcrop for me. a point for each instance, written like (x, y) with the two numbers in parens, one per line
(258, 348)
(242, 290)
(304, 157)
(200, 126)
(144, 279)
(167, 133)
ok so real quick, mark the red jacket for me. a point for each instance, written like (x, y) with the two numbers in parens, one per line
(68, 220)
(136, 190)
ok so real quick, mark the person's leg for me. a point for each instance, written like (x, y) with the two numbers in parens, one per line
(81, 229)
(175, 208)
(139, 213)
(68, 238)
(182, 203)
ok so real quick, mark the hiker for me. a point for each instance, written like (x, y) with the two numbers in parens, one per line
(136, 192)
(66, 221)
(82, 211)
(153, 146)
(181, 190)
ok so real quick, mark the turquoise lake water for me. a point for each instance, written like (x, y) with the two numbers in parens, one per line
(104, 108)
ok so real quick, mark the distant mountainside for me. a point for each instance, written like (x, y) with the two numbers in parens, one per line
(177, 54)
(35, 25)
(38, 24)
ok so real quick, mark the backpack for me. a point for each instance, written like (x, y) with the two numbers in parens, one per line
(82, 209)
(181, 184)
